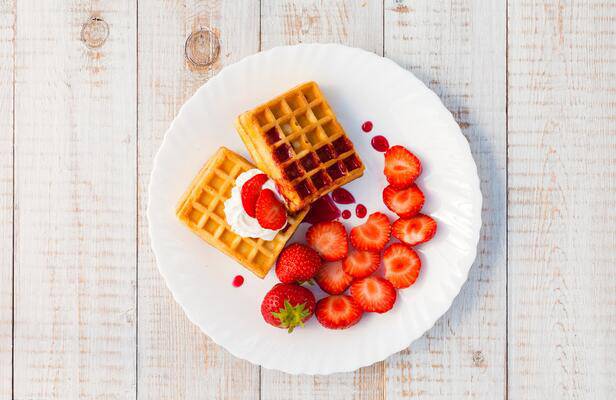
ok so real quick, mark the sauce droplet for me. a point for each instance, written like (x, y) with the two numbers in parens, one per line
(380, 143)
(343, 196)
(361, 211)
(238, 281)
(346, 214)
(366, 126)
(322, 210)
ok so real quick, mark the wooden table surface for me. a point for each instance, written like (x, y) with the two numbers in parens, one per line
(84, 312)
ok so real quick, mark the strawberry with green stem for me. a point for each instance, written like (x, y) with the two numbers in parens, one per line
(287, 306)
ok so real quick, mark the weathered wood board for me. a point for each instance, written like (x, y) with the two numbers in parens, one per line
(75, 201)
(562, 186)
(7, 48)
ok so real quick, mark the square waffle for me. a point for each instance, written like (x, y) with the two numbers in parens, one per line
(297, 140)
(201, 208)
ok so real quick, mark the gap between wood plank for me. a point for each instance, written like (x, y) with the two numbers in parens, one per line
(506, 199)
(137, 200)
(13, 211)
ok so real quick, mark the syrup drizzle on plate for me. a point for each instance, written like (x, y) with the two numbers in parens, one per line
(238, 280)
(343, 196)
(323, 209)
(380, 143)
(366, 126)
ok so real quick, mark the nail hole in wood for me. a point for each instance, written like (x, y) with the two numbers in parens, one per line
(202, 47)
(94, 32)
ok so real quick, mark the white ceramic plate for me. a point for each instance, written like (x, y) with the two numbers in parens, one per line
(359, 86)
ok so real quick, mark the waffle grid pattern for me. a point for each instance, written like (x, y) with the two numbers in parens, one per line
(306, 141)
(203, 211)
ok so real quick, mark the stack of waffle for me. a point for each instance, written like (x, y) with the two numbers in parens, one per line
(297, 141)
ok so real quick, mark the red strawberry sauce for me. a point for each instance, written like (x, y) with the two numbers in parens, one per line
(322, 210)
(361, 211)
(380, 143)
(366, 126)
(346, 214)
(343, 196)
(238, 281)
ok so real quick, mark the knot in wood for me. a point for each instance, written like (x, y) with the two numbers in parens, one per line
(94, 32)
(478, 358)
(202, 47)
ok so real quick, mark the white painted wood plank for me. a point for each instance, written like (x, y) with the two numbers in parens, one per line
(357, 24)
(75, 203)
(457, 47)
(7, 47)
(176, 360)
(562, 178)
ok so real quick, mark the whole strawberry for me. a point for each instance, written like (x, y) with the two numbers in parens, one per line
(297, 263)
(287, 306)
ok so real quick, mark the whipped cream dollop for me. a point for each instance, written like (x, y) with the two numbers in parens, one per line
(237, 218)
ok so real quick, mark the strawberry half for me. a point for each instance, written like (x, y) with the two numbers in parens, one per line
(287, 306)
(250, 193)
(297, 263)
(329, 239)
(332, 278)
(401, 167)
(404, 202)
(402, 265)
(374, 294)
(414, 230)
(373, 235)
(360, 264)
(338, 312)
(270, 212)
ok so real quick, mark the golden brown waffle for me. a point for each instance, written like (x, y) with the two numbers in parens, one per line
(201, 208)
(296, 139)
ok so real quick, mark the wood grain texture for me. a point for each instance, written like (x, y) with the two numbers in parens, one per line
(562, 185)
(75, 191)
(457, 47)
(176, 360)
(88, 122)
(357, 24)
(7, 54)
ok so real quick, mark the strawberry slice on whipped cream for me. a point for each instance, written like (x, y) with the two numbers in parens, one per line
(240, 208)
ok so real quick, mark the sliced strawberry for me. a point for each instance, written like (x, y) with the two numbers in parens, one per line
(374, 294)
(270, 213)
(373, 235)
(332, 278)
(329, 239)
(250, 193)
(360, 264)
(402, 265)
(338, 312)
(414, 230)
(401, 167)
(404, 202)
